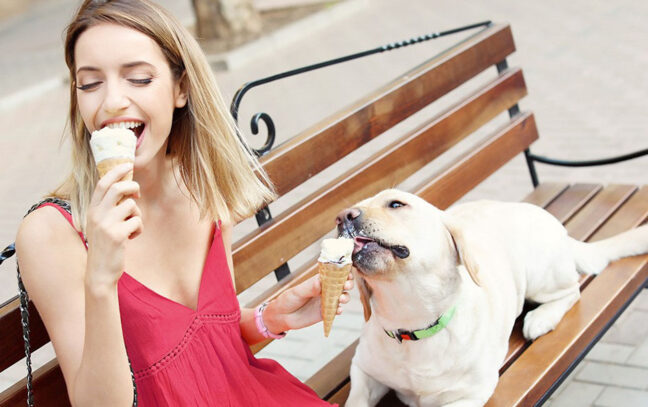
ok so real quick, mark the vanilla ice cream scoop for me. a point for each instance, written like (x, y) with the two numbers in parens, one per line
(336, 251)
(111, 147)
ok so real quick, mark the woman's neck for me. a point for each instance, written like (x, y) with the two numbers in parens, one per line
(161, 187)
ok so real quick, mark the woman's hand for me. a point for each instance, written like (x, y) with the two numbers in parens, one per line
(113, 217)
(299, 307)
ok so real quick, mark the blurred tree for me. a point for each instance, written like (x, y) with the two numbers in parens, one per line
(226, 19)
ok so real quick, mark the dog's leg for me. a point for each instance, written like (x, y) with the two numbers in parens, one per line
(547, 316)
(365, 390)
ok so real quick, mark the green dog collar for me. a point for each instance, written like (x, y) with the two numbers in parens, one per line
(404, 335)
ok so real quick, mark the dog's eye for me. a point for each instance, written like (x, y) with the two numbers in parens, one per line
(396, 204)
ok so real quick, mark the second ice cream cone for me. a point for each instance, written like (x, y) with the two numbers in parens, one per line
(332, 277)
(334, 266)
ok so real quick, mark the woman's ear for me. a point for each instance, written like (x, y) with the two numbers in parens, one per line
(181, 91)
(365, 295)
(461, 247)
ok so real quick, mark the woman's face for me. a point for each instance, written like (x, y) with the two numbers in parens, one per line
(123, 79)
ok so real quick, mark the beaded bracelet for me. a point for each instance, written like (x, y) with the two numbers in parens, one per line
(263, 330)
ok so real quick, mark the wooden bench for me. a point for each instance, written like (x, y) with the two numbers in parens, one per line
(590, 212)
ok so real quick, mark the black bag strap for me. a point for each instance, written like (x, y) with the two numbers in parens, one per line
(24, 305)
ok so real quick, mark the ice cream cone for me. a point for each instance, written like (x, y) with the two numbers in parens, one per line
(109, 163)
(334, 266)
(333, 278)
(112, 147)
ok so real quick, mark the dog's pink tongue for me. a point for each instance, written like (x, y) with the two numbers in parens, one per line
(359, 242)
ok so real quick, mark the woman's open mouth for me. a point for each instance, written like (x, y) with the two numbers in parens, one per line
(136, 126)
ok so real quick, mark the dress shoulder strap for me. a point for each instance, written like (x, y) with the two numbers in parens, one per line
(64, 208)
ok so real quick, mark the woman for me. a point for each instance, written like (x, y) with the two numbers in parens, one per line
(149, 281)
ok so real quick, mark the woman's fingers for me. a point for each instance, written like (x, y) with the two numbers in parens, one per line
(109, 179)
(133, 227)
(119, 190)
(127, 209)
(344, 299)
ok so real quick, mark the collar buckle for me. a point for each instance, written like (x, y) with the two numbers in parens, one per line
(404, 335)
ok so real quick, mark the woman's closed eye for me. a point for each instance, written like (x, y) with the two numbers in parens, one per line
(89, 86)
(138, 81)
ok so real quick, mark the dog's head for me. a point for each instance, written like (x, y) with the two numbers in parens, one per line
(395, 234)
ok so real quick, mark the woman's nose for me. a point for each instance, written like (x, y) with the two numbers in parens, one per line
(116, 98)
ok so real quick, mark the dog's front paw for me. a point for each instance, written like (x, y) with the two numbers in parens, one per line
(537, 323)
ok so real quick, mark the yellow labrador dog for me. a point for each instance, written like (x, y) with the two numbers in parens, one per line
(442, 289)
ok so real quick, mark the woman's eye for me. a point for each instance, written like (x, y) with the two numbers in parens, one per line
(89, 86)
(141, 81)
(396, 204)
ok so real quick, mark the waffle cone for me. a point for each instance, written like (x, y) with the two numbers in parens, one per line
(332, 277)
(109, 163)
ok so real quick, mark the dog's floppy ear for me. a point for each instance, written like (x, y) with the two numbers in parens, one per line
(365, 295)
(461, 247)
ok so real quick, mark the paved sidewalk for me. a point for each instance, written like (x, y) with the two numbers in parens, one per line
(585, 65)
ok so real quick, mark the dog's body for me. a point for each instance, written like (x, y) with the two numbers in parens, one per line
(484, 259)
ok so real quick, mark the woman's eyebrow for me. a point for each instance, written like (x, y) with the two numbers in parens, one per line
(87, 68)
(124, 66)
(136, 63)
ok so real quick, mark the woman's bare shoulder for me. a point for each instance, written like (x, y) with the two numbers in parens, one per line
(46, 238)
(45, 225)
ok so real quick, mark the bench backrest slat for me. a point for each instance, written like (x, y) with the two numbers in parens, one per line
(11, 340)
(475, 166)
(334, 138)
(49, 389)
(268, 247)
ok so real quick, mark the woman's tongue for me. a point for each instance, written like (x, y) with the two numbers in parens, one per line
(139, 130)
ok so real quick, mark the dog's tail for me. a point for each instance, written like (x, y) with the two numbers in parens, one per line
(592, 258)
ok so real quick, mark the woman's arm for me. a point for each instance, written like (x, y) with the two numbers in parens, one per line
(81, 313)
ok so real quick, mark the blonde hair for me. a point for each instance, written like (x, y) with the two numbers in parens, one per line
(223, 177)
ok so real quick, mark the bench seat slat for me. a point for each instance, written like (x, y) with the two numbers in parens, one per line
(337, 368)
(332, 139)
(546, 193)
(286, 235)
(583, 224)
(631, 214)
(572, 200)
(341, 395)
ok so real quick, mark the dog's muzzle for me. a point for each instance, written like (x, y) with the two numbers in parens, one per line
(349, 225)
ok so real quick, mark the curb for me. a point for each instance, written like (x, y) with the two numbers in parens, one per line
(284, 36)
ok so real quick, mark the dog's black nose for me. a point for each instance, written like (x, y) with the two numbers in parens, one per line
(348, 214)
